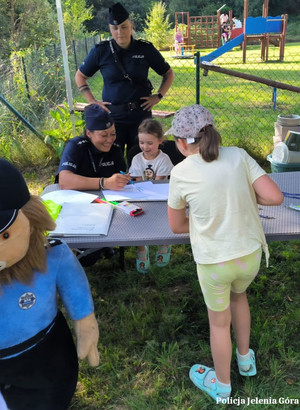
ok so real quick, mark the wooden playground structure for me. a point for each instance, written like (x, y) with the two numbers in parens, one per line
(266, 29)
(205, 31)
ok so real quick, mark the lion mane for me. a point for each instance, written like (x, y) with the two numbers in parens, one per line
(35, 258)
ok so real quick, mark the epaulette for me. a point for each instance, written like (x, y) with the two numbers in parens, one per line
(54, 242)
(141, 40)
(102, 42)
(82, 141)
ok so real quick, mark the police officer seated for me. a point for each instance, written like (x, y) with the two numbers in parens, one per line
(93, 162)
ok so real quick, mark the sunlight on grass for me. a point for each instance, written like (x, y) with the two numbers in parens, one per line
(154, 327)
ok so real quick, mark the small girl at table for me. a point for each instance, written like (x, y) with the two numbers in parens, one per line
(151, 164)
(222, 186)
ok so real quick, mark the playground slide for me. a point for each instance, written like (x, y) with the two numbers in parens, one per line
(223, 49)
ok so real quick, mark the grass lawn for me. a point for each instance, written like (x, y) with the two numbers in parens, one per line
(154, 327)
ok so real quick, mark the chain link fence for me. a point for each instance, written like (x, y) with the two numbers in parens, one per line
(244, 111)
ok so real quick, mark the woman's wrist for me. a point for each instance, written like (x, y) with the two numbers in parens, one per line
(102, 181)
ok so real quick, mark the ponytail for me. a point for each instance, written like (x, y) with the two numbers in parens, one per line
(209, 142)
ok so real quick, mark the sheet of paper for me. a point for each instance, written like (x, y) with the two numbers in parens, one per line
(139, 191)
(69, 195)
(90, 219)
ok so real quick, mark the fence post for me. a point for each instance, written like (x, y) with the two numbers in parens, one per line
(197, 77)
(274, 97)
(86, 47)
(20, 116)
(75, 56)
(25, 77)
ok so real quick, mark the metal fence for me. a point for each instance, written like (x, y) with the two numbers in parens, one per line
(245, 99)
(244, 110)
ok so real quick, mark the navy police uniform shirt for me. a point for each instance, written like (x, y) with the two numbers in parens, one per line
(81, 157)
(137, 59)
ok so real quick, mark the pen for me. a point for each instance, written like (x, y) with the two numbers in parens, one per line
(123, 173)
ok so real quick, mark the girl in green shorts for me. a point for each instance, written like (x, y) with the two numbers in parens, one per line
(222, 186)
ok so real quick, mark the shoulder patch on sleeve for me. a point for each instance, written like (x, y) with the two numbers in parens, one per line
(54, 242)
(144, 41)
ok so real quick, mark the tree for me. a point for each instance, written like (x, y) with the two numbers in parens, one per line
(75, 13)
(26, 23)
(158, 26)
(194, 7)
(99, 23)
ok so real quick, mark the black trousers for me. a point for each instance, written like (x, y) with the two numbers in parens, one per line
(44, 377)
(127, 123)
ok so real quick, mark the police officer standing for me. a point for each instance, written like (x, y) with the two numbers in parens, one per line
(124, 63)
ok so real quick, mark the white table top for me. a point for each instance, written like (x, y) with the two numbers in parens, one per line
(152, 227)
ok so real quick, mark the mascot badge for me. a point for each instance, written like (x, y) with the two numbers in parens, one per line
(38, 358)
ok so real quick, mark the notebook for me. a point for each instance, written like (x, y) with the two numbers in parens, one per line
(83, 219)
(139, 191)
(69, 195)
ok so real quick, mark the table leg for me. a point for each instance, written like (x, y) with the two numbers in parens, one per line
(122, 257)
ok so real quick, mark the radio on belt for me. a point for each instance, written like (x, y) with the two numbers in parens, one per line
(130, 209)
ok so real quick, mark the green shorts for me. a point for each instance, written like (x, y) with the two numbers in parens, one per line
(217, 280)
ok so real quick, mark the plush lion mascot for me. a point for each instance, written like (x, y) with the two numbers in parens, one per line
(38, 358)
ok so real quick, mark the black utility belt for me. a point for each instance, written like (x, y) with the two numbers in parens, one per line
(21, 347)
(130, 106)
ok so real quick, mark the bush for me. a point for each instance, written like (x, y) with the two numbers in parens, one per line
(158, 27)
(293, 30)
(57, 137)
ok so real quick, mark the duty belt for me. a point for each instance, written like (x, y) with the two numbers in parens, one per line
(21, 347)
(124, 107)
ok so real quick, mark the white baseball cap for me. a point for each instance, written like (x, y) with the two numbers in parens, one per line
(189, 120)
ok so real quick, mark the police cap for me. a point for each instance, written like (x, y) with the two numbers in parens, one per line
(117, 14)
(14, 193)
(96, 118)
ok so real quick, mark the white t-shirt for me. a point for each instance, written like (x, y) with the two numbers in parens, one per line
(224, 220)
(224, 18)
(160, 166)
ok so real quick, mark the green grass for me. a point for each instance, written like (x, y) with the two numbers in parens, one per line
(154, 327)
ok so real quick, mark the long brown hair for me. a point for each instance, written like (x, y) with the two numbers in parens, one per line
(209, 141)
(35, 258)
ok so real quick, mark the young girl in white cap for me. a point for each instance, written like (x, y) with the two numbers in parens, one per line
(222, 186)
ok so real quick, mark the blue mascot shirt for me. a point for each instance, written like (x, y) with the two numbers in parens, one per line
(25, 310)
